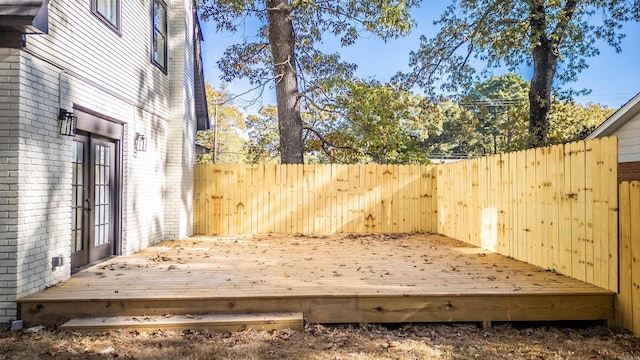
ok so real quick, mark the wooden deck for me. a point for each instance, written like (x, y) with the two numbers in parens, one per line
(330, 279)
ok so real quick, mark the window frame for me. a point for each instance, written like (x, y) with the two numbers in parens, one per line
(117, 27)
(163, 32)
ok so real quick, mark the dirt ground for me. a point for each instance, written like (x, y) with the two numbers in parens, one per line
(432, 341)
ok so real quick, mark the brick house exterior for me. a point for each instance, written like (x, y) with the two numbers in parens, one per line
(131, 76)
(625, 124)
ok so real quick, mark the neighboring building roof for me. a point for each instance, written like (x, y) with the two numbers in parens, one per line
(25, 16)
(619, 118)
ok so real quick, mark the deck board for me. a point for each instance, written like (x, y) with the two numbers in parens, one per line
(224, 322)
(330, 278)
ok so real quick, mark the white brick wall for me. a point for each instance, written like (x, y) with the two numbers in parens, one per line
(82, 62)
(9, 81)
(44, 180)
(182, 124)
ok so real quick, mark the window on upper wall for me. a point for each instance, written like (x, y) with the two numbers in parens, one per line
(109, 12)
(159, 34)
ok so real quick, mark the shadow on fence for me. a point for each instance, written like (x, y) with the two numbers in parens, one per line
(289, 199)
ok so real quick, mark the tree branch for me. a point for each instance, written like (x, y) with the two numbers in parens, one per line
(561, 27)
(476, 26)
(324, 141)
(538, 21)
(321, 108)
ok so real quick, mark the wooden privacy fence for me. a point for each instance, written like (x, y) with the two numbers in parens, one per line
(255, 199)
(554, 207)
(628, 300)
(558, 207)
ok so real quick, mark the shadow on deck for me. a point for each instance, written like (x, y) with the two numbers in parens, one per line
(329, 278)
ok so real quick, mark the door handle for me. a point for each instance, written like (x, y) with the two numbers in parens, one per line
(88, 207)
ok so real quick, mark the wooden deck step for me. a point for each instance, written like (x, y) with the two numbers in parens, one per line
(215, 322)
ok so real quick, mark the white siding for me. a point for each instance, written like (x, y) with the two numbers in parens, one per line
(79, 42)
(629, 140)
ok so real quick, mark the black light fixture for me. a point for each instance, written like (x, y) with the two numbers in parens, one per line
(67, 123)
(140, 143)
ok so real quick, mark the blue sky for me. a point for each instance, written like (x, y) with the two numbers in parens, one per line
(614, 78)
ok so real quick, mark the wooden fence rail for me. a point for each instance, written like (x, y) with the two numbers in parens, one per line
(289, 199)
(628, 300)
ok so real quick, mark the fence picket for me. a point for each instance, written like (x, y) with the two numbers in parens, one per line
(634, 215)
(502, 202)
(624, 301)
(319, 223)
(610, 180)
(590, 205)
(566, 243)
(557, 178)
(540, 221)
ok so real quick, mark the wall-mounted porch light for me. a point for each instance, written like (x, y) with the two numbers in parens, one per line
(140, 143)
(67, 123)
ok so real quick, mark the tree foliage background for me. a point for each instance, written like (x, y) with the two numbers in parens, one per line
(555, 37)
(371, 122)
(229, 124)
(326, 114)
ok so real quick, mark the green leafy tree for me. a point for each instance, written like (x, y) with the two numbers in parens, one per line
(500, 107)
(263, 143)
(284, 50)
(570, 121)
(492, 118)
(373, 122)
(459, 135)
(556, 37)
(224, 142)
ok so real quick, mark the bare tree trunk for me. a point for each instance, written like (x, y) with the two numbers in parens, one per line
(282, 41)
(544, 69)
(545, 61)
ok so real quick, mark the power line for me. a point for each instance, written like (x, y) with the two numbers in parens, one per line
(494, 102)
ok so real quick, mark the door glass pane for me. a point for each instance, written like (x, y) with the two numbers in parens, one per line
(78, 224)
(74, 194)
(79, 194)
(77, 204)
(102, 200)
(81, 152)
